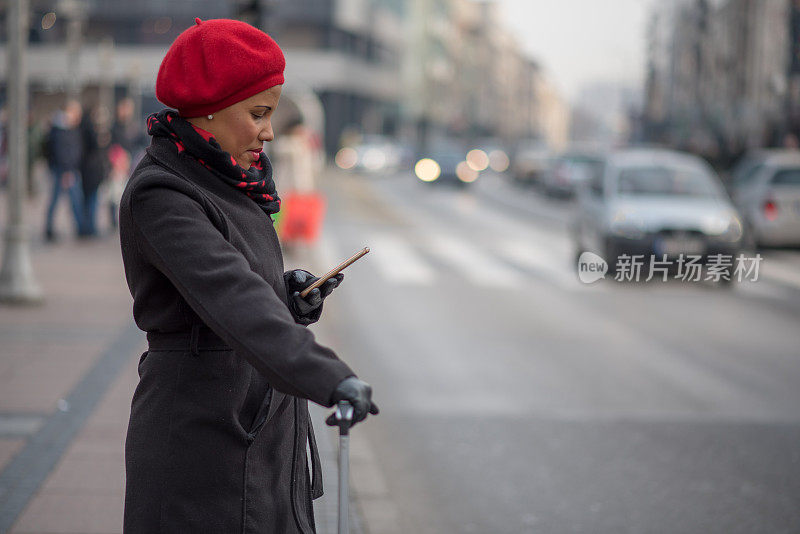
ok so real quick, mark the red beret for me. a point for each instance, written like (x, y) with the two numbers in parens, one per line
(215, 64)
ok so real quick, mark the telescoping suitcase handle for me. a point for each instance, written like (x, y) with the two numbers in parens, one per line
(343, 418)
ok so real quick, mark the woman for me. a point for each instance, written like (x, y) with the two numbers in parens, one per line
(219, 421)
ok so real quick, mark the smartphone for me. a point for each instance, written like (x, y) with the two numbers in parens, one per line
(336, 270)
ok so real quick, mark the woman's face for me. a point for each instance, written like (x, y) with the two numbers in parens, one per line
(242, 128)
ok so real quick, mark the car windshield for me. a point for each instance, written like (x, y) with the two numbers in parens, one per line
(666, 181)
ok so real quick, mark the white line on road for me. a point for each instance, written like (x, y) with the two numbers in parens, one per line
(472, 261)
(398, 262)
(541, 260)
(324, 254)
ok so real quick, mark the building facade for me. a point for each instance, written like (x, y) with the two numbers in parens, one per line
(723, 75)
(411, 69)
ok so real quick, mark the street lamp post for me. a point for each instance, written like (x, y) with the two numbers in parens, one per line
(17, 282)
(74, 12)
(106, 63)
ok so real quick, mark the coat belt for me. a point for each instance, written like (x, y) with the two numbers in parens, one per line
(200, 337)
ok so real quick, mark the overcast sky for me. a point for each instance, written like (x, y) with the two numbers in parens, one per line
(581, 41)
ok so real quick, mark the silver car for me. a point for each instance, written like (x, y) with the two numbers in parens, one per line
(766, 189)
(655, 202)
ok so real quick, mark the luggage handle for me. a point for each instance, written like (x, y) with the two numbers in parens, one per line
(343, 418)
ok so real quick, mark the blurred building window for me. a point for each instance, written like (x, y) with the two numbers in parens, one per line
(302, 37)
(126, 22)
(360, 46)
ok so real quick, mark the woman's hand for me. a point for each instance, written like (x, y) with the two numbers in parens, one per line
(309, 309)
(359, 394)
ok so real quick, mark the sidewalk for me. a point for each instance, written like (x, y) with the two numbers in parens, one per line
(67, 375)
(67, 369)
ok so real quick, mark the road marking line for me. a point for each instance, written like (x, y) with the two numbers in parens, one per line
(545, 261)
(472, 262)
(397, 261)
(325, 252)
(530, 255)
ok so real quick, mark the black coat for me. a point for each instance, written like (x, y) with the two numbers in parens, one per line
(219, 422)
(94, 163)
(64, 147)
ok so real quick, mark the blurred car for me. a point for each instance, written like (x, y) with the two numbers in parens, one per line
(569, 170)
(655, 202)
(752, 162)
(766, 189)
(530, 164)
(374, 153)
(445, 164)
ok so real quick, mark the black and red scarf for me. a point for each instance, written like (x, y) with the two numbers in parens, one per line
(255, 182)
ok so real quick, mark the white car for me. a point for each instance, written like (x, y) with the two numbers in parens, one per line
(766, 189)
(655, 202)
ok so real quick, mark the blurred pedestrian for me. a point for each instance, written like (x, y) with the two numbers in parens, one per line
(219, 420)
(300, 160)
(94, 165)
(127, 145)
(64, 153)
(126, 130)
(120, 161)
(790, 141)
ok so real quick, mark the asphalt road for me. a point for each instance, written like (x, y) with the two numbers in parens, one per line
(516, 399)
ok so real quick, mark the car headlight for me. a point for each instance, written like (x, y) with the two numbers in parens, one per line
(427, 170)
(374, 159)
(625, 224)
(346, 158)
(477, 160)
(727, 229)
(498, 160)
(465, 173)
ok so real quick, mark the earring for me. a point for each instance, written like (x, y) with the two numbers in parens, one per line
(210, 117)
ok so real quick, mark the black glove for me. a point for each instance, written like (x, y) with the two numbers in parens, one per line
(309, 309)
(359, 394)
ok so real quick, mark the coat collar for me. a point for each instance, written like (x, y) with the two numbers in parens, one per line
(164, 153)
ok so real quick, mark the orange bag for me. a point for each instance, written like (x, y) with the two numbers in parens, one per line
(301, 217)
